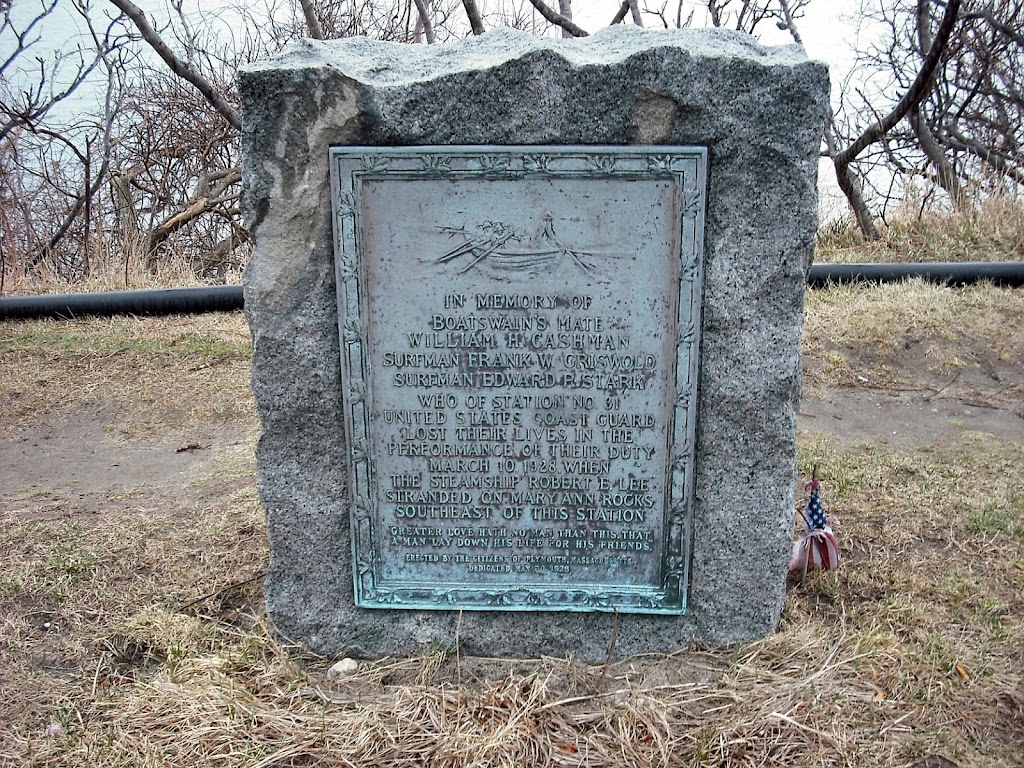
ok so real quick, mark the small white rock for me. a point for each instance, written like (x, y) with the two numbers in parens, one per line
(342, 669)
(53, 730)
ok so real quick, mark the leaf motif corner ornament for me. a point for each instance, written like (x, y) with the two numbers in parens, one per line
(692, 201)
(680, 460)
(436, 163)
(353, 331)
(537, 163)
(360, 450)
(677, 513)
(493, 163)
(499, 598)
(364, 567)
(374, 163)
(362, 508)
(687, 336)
(538, 598)
(675, 566)
(356, 391)
(683, 397)
(689, 273)
(348, 267)
(346, 203)
(659, 163)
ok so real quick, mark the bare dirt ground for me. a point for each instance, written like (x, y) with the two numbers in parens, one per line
(75, 455)
(132, 546)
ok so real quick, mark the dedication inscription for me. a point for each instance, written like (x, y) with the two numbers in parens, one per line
(519, 343)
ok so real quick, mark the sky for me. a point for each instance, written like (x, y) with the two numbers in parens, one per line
(827, 28)
(828, 31)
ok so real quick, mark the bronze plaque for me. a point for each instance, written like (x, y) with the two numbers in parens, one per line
(519, 334)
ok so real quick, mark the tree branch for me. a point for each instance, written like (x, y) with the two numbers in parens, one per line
(558, 19)
(565, 8)
(475, 19)
(428, 25)
(312, 22)
(23, 43)
(207, 196)
(634, 9)
(621, 13)
(993, 158)
(177, 66)
(76, 209)
(917, 91)
(944, 173)
(998, 25)
(849, 183)
(787, 14)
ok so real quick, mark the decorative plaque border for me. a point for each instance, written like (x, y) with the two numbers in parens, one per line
(686, 167)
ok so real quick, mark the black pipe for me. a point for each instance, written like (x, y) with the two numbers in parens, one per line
(163, 301)
(1006, 273)
(226, 298)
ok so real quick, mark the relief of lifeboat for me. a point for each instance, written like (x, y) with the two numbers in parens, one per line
(491, 245)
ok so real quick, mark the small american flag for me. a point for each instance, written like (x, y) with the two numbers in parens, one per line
(819, 547)
(815, 511)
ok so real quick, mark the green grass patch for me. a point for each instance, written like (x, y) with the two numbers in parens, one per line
(64, 338)
(1000, 517)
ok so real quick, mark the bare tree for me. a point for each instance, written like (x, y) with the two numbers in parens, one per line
(179, 67)
(748, 15)
(957, 123)
(177, 174)
(159, 176)
(915, 87)
(971, 126)
(26, 107)
(172, 185)
(52, 171)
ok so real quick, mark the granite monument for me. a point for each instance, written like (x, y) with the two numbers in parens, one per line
(526, 322)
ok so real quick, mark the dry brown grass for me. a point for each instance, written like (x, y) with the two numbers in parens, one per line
(914, 334)
(912, 649)
(994, 232)
(149, 371)
(109, 273)
(131, 624)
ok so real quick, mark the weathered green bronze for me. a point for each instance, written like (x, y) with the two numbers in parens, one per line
(519, 331)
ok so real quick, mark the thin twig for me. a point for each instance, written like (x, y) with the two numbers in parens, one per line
(458, 648)
(222, 590)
